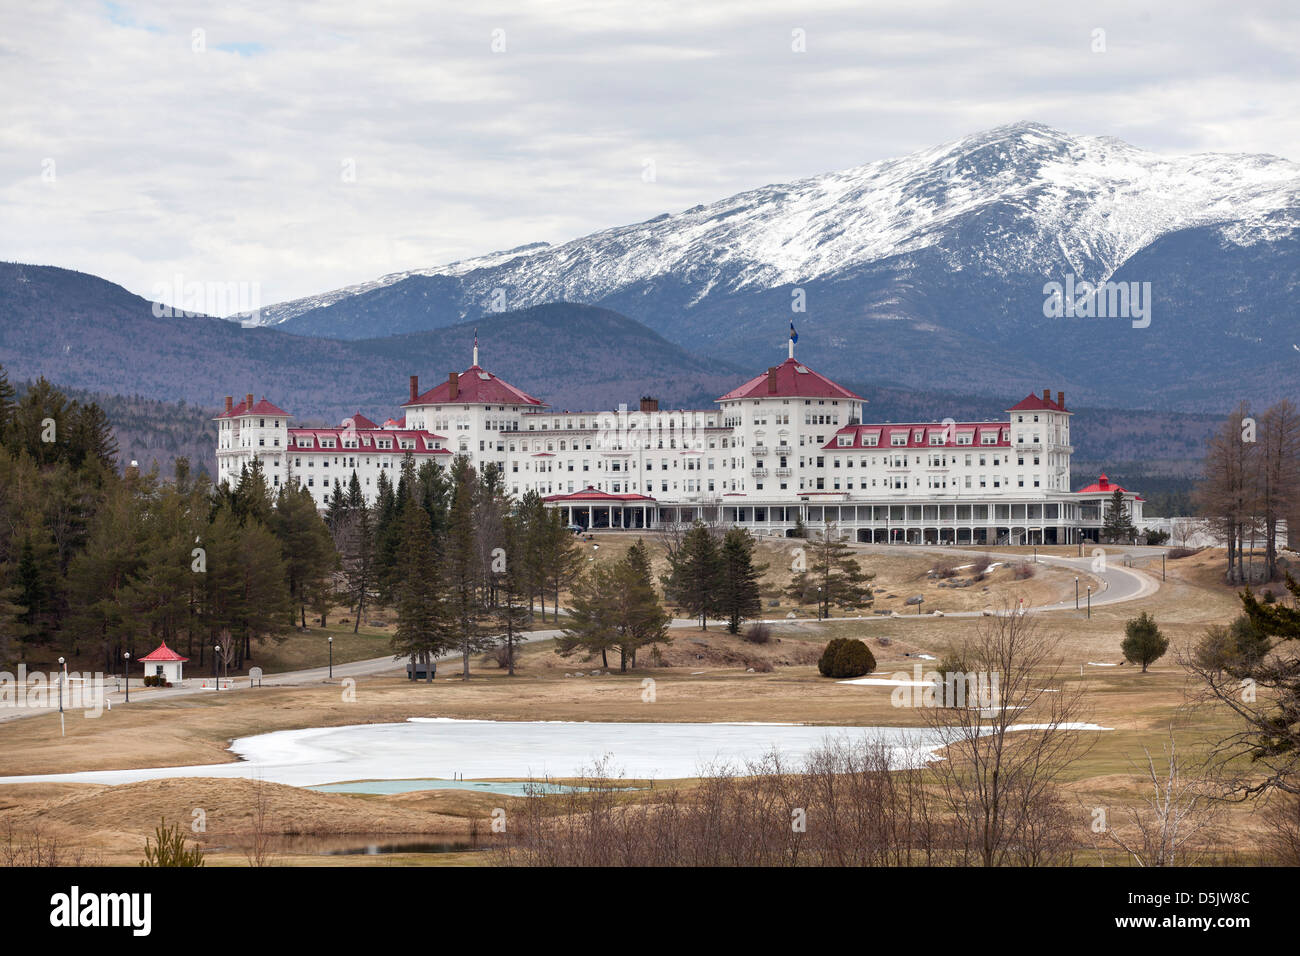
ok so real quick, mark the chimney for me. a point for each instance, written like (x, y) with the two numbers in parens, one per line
(1047, 394)
(649, 404)
(249, 407)
(454, 381)
(771, 380)
(230, 403)
(415, 386)
(1060, 399)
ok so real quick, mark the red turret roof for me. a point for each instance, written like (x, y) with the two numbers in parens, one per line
(476, 386)
(163, 653)
(259, 408)
(792, 380)
(1036, 403)
(360, 421)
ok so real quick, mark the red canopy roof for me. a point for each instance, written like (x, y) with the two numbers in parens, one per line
(1103, 485)
(791, 380)
(592, 494)
(163, 653)
(475, 386)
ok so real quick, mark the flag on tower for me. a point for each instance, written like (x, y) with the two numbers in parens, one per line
(794, 336)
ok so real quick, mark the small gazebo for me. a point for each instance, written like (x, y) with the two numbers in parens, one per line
(165, 662)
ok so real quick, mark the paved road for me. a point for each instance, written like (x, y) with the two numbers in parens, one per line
(1119, 584)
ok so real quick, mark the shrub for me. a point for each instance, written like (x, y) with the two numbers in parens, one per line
(501, 656)
(1175, 553)
(760, 666)
(170, 848)
(1157, 537)
(947, 570)
(758, 634)
(1022, 571)
(846, 657)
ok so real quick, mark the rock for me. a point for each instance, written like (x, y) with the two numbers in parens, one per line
(915, 599)
(595, 673)
(791, 616)
(749, 670)
(774, 603)
(937, 613)
(568, 675)
(894, 614)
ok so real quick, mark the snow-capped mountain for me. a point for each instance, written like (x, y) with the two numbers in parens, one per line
(1090, 201)
(953, 243)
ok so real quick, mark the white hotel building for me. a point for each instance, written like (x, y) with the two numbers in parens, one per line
(787, 445)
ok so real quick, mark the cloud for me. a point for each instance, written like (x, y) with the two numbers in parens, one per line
(308, 147)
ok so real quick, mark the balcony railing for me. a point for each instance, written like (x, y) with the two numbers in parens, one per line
(759, 451)
(758, 472)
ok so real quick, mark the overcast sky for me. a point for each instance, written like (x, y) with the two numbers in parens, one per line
(308, 146)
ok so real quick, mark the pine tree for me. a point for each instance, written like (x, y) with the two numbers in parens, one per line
(1143, 642)
(646, 621)
(739, 596)
(461, 567)
(696, 574)
(305, 545)
(511, 584)
(1118, 526)
(832, 575)
(425, 630)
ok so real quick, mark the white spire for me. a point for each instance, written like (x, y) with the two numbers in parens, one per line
(791, 348)
(475, 363)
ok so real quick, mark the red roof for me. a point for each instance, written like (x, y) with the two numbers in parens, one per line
(360, 421)
(1036, 403)
(1104, 486)
(396, 422)
(259, 408)
(592, 494)
(163, 653)
(792, 380)
(475, 386)
(921, 436)
(366, 438)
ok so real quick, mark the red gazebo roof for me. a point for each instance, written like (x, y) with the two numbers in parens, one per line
(163, 653)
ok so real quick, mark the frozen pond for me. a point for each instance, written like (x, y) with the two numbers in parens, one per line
(478, 749)
(443, 749)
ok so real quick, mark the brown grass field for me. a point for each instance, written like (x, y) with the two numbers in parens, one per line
(706, 678)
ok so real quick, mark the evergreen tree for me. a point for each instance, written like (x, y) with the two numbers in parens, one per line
(425, 630)
(831, 575)
(739, 596)
(696, 575)
(461, 566)
(1143, 642)
(308, 551)
(1118, 526)
(510, 585)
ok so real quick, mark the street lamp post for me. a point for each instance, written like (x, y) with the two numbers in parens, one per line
(1089, 601)
(331, 655)
(127, 656)
(216, 679)
(819, 604)
(1076, 592)
(63, 673)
